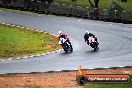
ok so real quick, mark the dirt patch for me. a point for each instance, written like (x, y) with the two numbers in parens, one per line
(52, 80)
(44, 80)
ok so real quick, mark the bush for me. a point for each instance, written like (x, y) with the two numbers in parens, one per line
(115, 11)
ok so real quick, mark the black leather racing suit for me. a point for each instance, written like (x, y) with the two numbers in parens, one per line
(86, 37)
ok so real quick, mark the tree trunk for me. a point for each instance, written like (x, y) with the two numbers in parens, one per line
(96, 3)
(92, 5)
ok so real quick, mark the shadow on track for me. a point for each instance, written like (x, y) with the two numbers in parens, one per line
(63, 53)
(92, 51)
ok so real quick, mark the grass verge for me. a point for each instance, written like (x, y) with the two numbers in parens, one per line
(16, 42)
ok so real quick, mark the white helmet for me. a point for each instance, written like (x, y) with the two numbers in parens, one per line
(60, 32)
(87, 32)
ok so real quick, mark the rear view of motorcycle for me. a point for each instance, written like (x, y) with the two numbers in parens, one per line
(66, 45)
(94, 44)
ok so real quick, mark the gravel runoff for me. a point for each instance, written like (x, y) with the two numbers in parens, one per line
(53, 79)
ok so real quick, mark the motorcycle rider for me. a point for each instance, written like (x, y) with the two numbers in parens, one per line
(87, 35)
(63, 36)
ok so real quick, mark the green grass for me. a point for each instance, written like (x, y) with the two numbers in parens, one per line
(116, 85)
(82, 3)
(16, 42)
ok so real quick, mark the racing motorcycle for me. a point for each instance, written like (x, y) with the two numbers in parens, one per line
(65, 45)
(93, 43)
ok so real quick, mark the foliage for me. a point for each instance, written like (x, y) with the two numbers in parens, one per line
(115, 10)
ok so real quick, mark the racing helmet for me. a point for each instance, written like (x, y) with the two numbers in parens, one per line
(87, 32)
(60, 32)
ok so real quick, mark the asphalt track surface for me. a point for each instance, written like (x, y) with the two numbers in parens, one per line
(115, 44)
